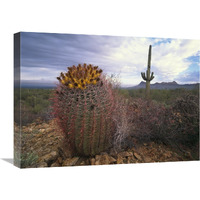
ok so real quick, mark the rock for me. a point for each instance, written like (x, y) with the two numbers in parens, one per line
(122, 157)
(49, 129)
(64, 153)
(130, 160)
(133, 149)
(38, 136)
(56, 164)
(104, 159)
(70, 161)
(42, 130)
(97, 162)
(112, 160)
(50, 158)
(60, 160)
(30, 130)
(137, 156)
(168, 154)
(147, 159)
(92, 161)
(119, 160)
(50, 143)
(82, 163)
(87, 162)
(125, 154)
(42, 164)
(97, 159)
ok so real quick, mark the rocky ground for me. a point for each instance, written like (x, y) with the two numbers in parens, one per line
(41, 146)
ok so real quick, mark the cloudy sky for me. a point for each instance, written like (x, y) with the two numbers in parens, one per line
(45, 55)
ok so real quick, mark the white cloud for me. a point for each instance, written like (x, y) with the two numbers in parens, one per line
(131, 58)
(39, 74)
(169, 58)
(125, 55)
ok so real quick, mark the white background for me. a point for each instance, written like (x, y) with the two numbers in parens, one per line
(155, 18)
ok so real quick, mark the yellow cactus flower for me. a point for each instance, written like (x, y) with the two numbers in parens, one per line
(70, 86)
(63, 82)
(66, 79)
(79, 86)
(80, 76)
(87, 81)
(94, 82)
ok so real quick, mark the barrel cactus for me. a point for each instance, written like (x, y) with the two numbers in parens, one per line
(83, 104)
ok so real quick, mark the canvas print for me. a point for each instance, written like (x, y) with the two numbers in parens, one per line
(103, 100)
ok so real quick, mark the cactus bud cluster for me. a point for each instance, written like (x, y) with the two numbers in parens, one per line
(80, 76)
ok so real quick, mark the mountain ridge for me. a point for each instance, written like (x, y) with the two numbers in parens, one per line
(166, 85)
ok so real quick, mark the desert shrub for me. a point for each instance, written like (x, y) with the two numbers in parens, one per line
(124, 92)
(31, 104)
(175, 124)
(29, 115)
(136, 93)
(150, 120)
(185, 119)
(122, 117)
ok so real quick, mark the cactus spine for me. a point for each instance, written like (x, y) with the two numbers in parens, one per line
(83, 104)
(148, 77)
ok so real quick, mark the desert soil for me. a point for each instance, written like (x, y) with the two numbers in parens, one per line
(45, 140)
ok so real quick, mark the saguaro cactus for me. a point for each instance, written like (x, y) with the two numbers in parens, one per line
(148, 77)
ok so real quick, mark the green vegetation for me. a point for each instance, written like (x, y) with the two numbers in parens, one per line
(172, 117)
(25, 160)
(34, 104)
(166, 97)
(36, 99)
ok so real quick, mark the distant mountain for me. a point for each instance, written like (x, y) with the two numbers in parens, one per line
(166, 86)
(159, 86)
(37, 84)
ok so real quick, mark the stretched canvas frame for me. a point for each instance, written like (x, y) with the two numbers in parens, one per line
(95, 100)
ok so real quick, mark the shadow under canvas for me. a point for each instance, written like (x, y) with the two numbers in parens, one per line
(9, 160)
